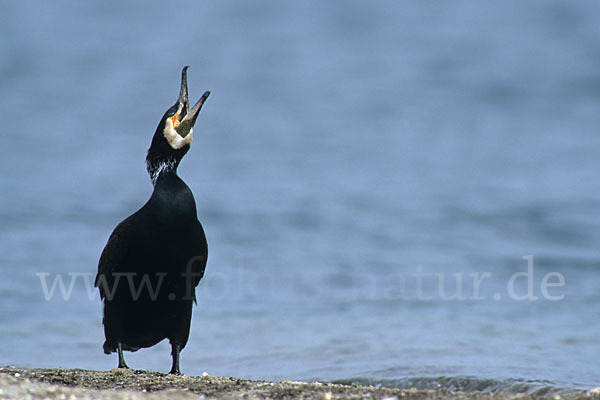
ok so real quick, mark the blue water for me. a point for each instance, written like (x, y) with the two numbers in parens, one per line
(358, 168)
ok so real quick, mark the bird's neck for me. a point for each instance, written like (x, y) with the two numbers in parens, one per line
(159, 166)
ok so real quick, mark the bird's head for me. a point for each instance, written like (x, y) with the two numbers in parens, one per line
(178, 122)
(174, 134)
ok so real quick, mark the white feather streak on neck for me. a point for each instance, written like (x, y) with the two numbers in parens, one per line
(163, 166)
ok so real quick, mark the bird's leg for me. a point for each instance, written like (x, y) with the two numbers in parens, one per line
(175, 349)
(122, 363)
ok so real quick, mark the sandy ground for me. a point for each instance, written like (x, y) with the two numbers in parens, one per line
(24, 383)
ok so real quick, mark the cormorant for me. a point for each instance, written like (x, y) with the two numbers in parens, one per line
(154, 259)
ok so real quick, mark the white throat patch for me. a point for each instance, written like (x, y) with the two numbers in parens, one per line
(176, 141)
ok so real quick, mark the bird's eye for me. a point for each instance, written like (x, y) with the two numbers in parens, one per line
(170, 113)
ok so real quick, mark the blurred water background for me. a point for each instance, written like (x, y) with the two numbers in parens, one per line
(358, 167)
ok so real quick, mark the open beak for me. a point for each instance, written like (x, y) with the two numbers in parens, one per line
(185, 118)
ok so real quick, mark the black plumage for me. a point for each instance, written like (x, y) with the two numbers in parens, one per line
(154, 259)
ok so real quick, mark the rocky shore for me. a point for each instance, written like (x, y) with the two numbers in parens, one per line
(25, 383)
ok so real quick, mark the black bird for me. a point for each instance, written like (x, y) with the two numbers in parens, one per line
(154, 259)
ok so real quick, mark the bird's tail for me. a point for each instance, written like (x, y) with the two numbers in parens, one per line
(110, 346)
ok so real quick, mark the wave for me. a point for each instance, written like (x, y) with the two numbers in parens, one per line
(467, 384)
